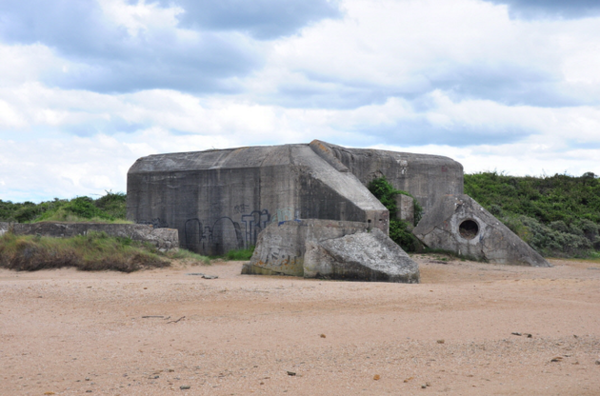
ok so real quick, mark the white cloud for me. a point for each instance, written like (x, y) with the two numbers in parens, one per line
(460, 79)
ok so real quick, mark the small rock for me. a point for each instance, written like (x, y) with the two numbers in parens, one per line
(515, 333)
(440, 341)
(409, 379)
(210, 276)
(291, 373)
(556, 359)
(184, 387)
(598, 362)
(87, 378)
(323, 336)
(423, 386)
(376, 377)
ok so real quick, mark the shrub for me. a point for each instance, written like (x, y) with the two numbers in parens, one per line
(557, 215)
(399, 230)
(108, 208)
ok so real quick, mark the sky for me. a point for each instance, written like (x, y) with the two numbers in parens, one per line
(89, 86)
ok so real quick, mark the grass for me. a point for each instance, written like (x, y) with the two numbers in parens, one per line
(187, 256)
(92, 252)
(240, 254)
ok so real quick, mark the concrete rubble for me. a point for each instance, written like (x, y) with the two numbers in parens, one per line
(332, 250)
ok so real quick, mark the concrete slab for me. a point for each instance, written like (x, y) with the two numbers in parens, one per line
(457, 223)
(333, 250)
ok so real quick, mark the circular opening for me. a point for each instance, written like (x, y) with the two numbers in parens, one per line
(468, 229)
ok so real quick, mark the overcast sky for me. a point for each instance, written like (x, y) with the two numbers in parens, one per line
(89, 86)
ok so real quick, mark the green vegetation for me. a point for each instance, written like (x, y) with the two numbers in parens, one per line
(399, 230)
(95, 251)
(557, 215)
(92, 252)
(188, 256)
(109, 208)
(240, 254)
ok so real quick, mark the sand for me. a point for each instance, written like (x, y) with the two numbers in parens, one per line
(164, 332)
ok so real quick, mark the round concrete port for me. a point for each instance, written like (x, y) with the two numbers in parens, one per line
(468, 229)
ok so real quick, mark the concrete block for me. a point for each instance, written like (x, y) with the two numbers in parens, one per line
(459, 224)
(333, 250)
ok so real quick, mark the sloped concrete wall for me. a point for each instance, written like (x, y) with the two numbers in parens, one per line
(427, 177)
(459, 224)
(162, 238)
(220, 200)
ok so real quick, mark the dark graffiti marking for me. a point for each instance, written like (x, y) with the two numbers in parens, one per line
(208, 238)
(255, 222)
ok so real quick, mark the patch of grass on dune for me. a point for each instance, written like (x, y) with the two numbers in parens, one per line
(92, 252)
(187, 256)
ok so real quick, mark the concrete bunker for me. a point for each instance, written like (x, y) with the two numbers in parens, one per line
(221, 200)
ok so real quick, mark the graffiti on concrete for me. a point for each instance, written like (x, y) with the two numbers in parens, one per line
(206, 238)
(255, 222)
(236, 233)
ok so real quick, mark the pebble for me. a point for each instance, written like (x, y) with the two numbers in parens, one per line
(184, 387)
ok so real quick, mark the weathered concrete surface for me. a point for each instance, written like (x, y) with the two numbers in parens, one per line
(333, 250)
(162, 238)
(405, 206)
(220, 200)
(458, 223)
(427, 177)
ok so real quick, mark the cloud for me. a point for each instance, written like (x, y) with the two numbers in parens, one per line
(262, 19)
(536, 9)
(87, 87)
(114, 47)
(468, 48)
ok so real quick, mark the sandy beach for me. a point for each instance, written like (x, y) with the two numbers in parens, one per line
(467, 329)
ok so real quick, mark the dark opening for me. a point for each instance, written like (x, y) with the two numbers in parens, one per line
(468, 229)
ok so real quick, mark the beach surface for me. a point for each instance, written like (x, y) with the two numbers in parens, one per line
(467, 329)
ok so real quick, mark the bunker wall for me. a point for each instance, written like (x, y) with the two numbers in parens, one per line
(427, 177)
(226, 203)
